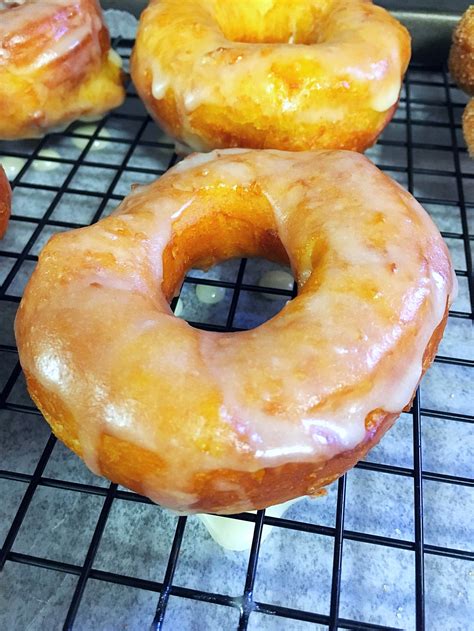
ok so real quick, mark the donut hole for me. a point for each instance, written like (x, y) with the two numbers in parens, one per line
(210, 298)
(271, 22)
(215, 239)
(226, 225)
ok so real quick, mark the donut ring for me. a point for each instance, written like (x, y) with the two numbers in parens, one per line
(270, 74)
(5, 201)
(56, 65)
(461, 55)
(208, 422)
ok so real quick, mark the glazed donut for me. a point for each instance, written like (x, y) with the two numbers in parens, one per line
(56, 66)
(468, 126)
(461, 67)
(5, 201)
(224, 422)
(269, 73)
(461, 55)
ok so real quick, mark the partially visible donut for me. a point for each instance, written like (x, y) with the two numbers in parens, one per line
(461, 55)
(270, 74)
(56, 66)
(468, 126)
(224, 422)
(5, 201)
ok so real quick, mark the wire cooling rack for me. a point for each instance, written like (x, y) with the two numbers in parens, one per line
(62, 176)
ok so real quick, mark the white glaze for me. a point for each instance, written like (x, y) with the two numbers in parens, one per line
(160, 82)
(47, 165)
(277, 279)
(232, 534)
(93, 118)
(178, 312)
(383, 101)
(210, 295)
(99, 144)
(12, 166)
(199, 159)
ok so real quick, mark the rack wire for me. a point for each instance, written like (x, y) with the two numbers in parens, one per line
(435, 132)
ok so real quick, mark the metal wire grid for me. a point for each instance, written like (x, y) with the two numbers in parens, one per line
(245, 602)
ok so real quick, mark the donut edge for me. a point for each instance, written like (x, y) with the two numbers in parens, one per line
(461, 54)
(129, 465)
(468, 126)
(5, 202)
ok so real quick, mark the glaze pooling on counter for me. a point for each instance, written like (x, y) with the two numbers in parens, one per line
(294, 390)
(208, 59)
(238, 535)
